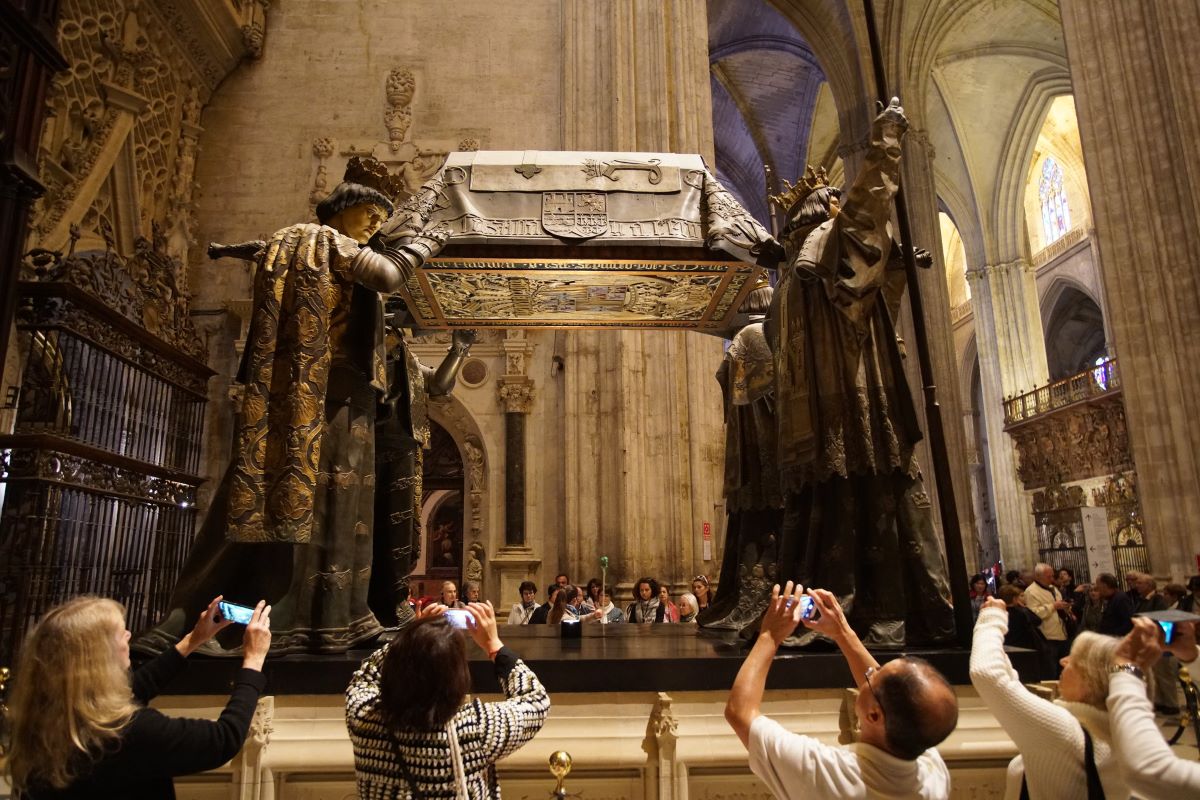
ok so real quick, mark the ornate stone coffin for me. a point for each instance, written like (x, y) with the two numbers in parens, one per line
(588, 240)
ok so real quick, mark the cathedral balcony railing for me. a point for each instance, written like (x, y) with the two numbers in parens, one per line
(1059, 246)
(98, 478)
(1099, 381)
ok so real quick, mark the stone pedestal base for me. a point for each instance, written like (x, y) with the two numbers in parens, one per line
(510, 566)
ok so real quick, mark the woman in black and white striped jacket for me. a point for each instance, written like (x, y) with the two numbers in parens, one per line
(414, 732)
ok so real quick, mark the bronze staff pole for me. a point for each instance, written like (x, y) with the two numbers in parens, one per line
(952, 535)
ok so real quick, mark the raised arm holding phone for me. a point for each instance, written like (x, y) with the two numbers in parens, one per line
(904, 709)
(1149, 767)
(411, 722)
(81, 727)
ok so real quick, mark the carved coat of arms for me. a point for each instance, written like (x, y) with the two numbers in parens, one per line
(575, 215)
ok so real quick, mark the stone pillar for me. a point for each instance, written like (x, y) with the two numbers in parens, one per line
(517, 397)
(1012, 360)
(1137, 92)
(515, 560)
(920, 194)
(643, 428)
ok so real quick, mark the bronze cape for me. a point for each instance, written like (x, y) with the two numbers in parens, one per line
(298, 501)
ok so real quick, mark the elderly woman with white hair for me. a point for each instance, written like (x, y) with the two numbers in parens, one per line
(689, 606)
(1065, 746)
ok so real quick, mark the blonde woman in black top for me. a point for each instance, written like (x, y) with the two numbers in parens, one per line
(80, 725)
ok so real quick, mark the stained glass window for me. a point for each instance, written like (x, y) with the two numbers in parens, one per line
(1056, 214)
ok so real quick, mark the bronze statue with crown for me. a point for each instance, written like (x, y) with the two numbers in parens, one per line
(297, 520)
(856, 518)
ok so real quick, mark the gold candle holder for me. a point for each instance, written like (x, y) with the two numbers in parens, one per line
(560, 767)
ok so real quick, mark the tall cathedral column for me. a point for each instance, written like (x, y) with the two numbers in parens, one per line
(515, 561)
(1012, 360)
(642, 413)
(1137, 91)
(921, 197)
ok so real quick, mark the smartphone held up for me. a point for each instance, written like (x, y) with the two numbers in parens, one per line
(806, 606)
(459, 618)
(234, 613)
(1167, 620)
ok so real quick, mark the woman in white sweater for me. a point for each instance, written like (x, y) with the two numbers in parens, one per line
(1049, 736)
(1149, 767)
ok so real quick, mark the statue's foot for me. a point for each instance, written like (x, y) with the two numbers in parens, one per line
(885, 634)
(805, 639)
(212, 649)
(932, 639)
(164, 635)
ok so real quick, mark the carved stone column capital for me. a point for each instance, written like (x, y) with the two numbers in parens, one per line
(516, 393)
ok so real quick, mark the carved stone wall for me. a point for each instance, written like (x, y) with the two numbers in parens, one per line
(118, 153)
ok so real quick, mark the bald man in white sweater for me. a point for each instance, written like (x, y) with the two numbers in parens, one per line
(904, 708)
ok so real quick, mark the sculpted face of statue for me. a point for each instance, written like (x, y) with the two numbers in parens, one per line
(359, 222)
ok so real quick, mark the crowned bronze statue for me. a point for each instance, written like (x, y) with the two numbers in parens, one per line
(297, 519)
(857, 519)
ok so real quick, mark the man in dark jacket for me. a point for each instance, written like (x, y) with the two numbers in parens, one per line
(1117, 617)
(542, 612)
(1024, 630)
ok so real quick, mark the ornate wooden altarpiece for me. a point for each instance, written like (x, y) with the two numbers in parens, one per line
(1069, 431)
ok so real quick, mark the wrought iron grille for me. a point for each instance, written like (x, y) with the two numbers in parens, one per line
(1128, 541)
(1061, 542)
(99, 475)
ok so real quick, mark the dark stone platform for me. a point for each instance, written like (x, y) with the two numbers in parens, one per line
(609, 658)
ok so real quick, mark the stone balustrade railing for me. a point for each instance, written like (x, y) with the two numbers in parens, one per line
(1059, 246)
(1097, 381)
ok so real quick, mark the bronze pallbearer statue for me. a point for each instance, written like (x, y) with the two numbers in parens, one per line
(294, 520)
(856, 517)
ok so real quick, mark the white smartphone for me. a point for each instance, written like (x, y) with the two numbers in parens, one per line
(459, 618)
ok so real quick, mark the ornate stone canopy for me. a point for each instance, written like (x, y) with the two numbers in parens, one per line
(593, 240)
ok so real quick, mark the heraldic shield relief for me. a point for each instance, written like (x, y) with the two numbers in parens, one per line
(575, 215)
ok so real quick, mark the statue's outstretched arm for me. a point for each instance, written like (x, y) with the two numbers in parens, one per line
(867, 207)
(246, 251)
(442, 382)
(389, 267)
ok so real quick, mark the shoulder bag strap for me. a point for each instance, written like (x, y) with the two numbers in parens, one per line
(456, 762)
(1095, 789)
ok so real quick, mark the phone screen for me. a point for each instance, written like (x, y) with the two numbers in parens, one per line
(806, 607)
(235, 613)
(1168, 630)
(458, 617)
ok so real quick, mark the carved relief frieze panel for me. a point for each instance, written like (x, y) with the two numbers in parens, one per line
(1084, 440)
(410, 162)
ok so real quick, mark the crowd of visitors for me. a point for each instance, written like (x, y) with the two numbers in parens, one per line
(1049, 611)
(80, 726)
(651, 603)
